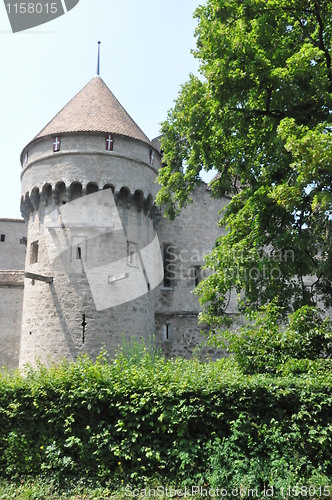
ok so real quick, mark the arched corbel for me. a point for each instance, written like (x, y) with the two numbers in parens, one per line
(69, 194)
(129, 200)
(35, 199)
(55, 195)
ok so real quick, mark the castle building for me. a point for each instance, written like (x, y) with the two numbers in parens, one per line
(93, 260)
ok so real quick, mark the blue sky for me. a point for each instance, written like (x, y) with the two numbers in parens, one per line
(145, 58)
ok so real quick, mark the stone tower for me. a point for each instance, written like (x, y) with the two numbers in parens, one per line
(88, 187)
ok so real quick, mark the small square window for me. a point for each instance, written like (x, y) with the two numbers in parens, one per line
(3, 237)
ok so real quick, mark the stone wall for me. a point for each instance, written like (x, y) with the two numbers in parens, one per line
(12, 249)
(11, 303)
(12, 262)
(83, 159)
(62, 319)
(189, 237)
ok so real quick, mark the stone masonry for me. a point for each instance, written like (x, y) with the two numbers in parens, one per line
(66, 162)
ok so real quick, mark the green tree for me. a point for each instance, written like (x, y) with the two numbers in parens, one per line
(261, 115)
(262, 346)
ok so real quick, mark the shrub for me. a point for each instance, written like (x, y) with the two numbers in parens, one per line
(135, 420)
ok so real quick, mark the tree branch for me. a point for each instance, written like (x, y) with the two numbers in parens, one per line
(322, 45)
(259, 112)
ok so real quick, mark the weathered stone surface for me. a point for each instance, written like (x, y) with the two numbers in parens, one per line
(11, 303)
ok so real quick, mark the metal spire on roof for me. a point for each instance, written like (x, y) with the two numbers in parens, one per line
(98, 60)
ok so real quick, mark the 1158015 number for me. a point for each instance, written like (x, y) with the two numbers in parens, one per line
(31, 8)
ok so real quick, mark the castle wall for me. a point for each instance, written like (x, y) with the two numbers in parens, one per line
(189, 237)
(11, 303)
(12, 262)
(12, 250)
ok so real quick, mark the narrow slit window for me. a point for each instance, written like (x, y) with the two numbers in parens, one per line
(3, 237)
(83, 328)
(166, 331)
(34, 252)
(78, 250)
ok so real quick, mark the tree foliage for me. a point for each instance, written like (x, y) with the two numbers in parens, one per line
(262, 346)
(260, 114)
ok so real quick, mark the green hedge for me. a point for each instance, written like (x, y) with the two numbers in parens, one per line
(183, 421)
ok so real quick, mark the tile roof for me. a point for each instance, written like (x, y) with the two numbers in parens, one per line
(94, 109)
(12, 278)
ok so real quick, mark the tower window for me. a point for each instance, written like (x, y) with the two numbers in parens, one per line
(152, 157)
(78, 253)
(109, 142)
(34, 252)
(56, 144)
(3, 237)
(169, 273)
(78, 248)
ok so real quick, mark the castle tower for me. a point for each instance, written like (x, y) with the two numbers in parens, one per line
(88, 187)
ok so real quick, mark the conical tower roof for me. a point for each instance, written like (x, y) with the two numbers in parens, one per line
(94, 109)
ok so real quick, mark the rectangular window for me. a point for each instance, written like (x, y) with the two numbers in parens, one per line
(78, 248)
(56, 144)
(169, 271)
(166, 330)
(109, 142)
(3, 237)
(34, 253)
(195, 275)
(132, 254)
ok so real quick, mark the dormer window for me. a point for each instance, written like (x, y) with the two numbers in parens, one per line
(109, 142)
(152, 157)
(56, 144)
